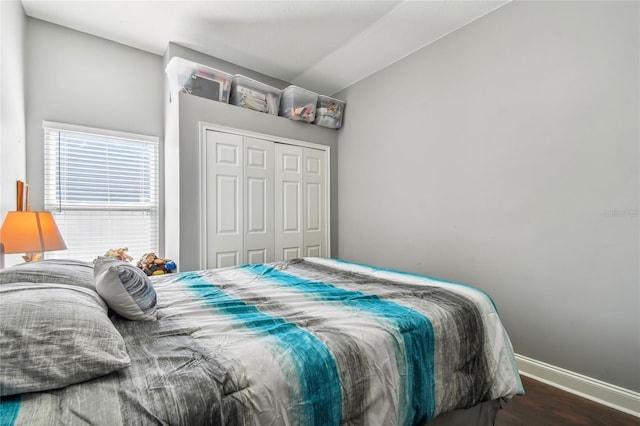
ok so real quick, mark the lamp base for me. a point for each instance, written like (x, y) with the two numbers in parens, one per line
(32, 257)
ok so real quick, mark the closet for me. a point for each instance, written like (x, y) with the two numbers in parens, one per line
(263, 198)
(188, 211)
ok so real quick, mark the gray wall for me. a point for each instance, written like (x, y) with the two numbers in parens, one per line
(12, 109)
(76, 78)
(505, 155)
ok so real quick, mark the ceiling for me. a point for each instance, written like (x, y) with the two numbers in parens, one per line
(322, 46)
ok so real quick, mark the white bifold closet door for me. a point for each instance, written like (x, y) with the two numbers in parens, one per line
(239, 200)
(264, 201)
(299, 202)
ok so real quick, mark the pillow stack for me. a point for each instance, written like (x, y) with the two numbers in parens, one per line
(54, 328)
(54, 324)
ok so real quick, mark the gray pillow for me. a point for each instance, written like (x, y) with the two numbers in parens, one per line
(126, 289)
(55, 335)
(60, 271)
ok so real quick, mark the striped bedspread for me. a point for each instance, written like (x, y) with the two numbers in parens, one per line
(306, 342)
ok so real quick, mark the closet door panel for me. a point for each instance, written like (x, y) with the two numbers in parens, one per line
(289, 253)
(256, 203)
(288, 197)
(224, 200)
(227, 259)
(227, 205)
(291, 206)
(314, 207)
(256, 256)
(259, 201)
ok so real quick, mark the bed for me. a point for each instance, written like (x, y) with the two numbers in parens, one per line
(305, 342)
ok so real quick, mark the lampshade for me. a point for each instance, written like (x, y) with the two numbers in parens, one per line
(30, 232)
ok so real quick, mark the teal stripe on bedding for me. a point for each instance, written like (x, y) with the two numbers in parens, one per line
(9, 409)
(416, 330)
(314, 364)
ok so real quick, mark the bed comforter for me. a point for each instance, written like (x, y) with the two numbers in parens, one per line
(305, 342)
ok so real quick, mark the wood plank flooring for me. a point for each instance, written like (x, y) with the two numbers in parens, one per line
(549, 406)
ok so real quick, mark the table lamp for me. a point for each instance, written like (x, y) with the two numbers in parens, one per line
(30, 232)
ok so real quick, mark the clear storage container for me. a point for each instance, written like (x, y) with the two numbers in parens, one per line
(252, 94)
(197, 79)
(298, 104)
(329, 112)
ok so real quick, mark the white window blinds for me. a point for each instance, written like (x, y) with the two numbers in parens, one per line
(102, 187)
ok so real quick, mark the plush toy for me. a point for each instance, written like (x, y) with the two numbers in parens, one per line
(120, 254)
(153, 265)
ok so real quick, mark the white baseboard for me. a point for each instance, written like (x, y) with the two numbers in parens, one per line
(601, 392)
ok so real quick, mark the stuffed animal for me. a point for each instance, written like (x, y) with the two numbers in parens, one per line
(151, 264)
(120, 254)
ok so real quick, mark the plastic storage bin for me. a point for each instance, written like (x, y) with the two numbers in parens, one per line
(298, 104)
(252, 94)
(329, 112)
(197, 79)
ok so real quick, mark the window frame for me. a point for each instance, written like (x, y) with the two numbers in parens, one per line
(52, 182)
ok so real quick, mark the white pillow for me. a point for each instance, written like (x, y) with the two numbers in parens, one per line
(126, 289)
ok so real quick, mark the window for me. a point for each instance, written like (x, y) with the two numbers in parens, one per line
(102, 187)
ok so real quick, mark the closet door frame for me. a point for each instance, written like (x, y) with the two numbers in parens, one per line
(202, 208)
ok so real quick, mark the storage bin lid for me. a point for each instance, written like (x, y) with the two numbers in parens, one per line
(293, 89)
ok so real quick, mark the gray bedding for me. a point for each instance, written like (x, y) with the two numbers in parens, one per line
(306, 342)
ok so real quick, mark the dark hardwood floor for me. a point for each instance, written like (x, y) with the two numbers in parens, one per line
(548, 406)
